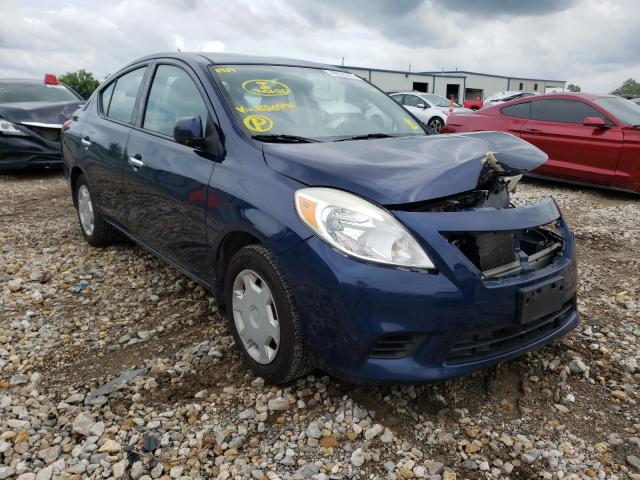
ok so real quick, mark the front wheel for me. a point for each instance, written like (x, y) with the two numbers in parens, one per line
(263, 318)
(96, 231)
(436, 124)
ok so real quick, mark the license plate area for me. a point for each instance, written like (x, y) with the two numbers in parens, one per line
(542, 299)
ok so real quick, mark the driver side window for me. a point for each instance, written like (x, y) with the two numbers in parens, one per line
(173, 95)
(413, 101)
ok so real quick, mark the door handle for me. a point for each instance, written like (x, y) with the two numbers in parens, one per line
(534, 131)
(136, 161)
(85, 142)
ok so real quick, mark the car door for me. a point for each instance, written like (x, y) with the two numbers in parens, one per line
(166, 182)
(514, 117)
(411, 103)
(105, 137)
(576, 151)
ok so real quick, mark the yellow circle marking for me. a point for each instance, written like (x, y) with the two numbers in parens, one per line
(266, 88)
(411, 123)
(258, 123)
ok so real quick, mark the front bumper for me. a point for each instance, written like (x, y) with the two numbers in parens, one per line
(348, 307)
(18, 153)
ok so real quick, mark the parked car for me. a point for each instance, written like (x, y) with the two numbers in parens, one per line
(636, 100)
(31, 116)
(592, 139)
(473, 104)
(434, 118)
(373, 252)
(501, 97)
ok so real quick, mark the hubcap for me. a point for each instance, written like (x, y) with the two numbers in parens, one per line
(255, 317)
(436, 124)
(85, 210)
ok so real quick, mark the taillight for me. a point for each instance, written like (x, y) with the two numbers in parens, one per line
(66, 125)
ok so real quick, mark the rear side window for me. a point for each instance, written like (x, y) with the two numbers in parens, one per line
(123, 98)
(521, 110)
(173, 95)
(105, 97)
(561, 110)
(398, 98)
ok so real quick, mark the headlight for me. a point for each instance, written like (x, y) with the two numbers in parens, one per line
(7, 128)
(359, 228)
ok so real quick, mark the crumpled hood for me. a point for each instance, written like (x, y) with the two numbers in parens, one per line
(42, 112)
(405, 169)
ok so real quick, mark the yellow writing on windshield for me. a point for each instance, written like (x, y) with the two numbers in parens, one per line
(276, 107)
(258, 123)
(266, 88)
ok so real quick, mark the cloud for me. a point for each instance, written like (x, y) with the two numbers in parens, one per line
(589, 42)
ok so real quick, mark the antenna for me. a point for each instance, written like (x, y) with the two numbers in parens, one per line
(343, 61)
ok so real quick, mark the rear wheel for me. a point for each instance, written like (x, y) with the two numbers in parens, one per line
(263, 318)
(436, 124)
(95, 230)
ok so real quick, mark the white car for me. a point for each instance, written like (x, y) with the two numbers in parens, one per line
(636, 100)
(434, 118)
(501, 97)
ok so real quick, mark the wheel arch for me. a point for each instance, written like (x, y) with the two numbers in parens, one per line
(73, 179)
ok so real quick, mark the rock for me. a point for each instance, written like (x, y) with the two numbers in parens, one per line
(14, 285)
(176, 471)
(45, 473)
(307, 470)
(619, 394)
(83, 423)
(137, 470)
(313, 430)
(577, 365)
(357, 458)
(278, 404)
(373, 432)
(634, 462)
(433, 467)
(6, 472)
(119, 468)
(110, 446)
(328, 442)
(49, 455)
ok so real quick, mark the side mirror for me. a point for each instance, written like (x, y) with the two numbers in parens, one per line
(595, 122)
(188, 131)
(421, 105)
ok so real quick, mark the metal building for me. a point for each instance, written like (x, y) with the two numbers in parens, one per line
(463, 85)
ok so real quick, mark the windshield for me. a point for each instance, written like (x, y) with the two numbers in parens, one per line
(624, 110)
(25, 92)
(438, 101)
(316, 104)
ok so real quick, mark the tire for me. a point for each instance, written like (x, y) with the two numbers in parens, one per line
(436, 124)
(277, 361)
(97, 232)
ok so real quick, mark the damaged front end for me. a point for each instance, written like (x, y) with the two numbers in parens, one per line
(494, 248)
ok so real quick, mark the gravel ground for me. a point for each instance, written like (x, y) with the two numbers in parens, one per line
(114, 365)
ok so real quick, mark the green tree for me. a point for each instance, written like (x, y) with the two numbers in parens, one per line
(573, 88)
(629, 87)
(81, 81)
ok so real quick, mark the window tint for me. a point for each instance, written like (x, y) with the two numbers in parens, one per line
(560, 110)
(521, 110)
(413, 101)
(124, 95)
(105, 97)
(173, 95)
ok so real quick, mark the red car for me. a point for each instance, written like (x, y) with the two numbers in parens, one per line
(590, 139)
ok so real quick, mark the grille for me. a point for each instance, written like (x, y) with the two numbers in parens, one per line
(495, 253)
(394, 346)
(51, 134)
(478, 344)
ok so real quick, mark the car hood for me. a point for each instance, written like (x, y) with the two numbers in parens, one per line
(55, 113)
(405, 169)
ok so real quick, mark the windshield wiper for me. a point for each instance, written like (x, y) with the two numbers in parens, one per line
(365, 137)
(281, 138)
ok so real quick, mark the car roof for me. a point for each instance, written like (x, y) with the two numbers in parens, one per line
(207, 58)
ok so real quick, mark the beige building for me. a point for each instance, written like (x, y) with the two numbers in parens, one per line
(463, 85)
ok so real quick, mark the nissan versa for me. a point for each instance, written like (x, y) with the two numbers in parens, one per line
(366, 249)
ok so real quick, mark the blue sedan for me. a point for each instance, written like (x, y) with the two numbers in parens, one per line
(331, 237)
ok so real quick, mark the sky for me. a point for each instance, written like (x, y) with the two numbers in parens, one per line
(592, 43)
